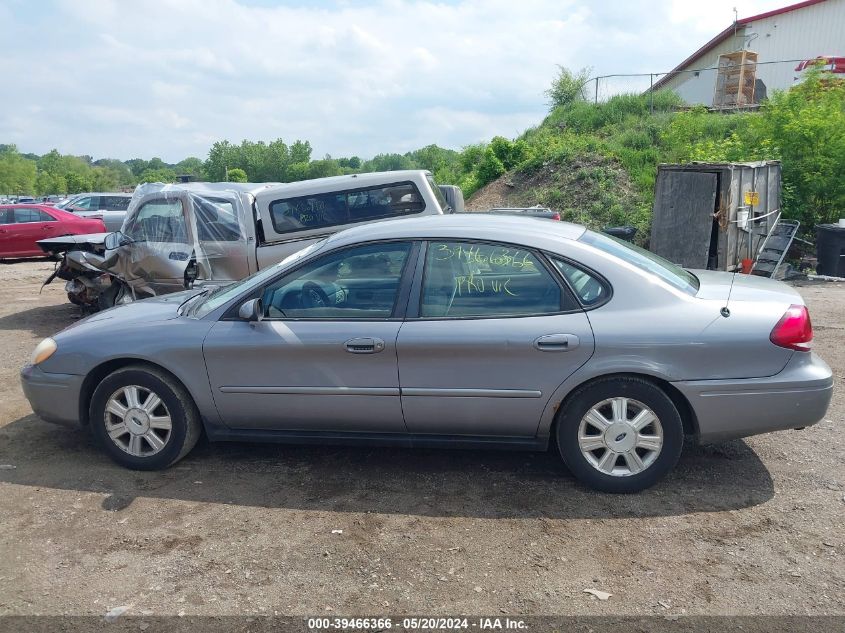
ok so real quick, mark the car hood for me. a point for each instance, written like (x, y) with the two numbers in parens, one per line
(146, 312)
(89, 242)
(716, 285)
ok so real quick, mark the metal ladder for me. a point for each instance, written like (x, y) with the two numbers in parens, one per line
(774, 248)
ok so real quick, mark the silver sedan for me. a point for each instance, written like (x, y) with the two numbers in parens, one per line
(451, 331)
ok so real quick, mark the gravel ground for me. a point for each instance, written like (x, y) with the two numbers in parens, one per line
(748, 527)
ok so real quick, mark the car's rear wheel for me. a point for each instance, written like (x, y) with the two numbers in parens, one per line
(620, 434)
(144, 418)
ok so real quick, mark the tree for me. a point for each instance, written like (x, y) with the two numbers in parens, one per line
(322, 168)
(490, 167)
(220, 156)
(158, 175)
(805, 127)
(568, 87)
(78, 183)
(17, 174)
(237, 175)
(511, 153)
(190, 166)
(300, 152)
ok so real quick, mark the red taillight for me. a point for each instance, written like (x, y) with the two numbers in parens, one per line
(555, 216)
(794, 330)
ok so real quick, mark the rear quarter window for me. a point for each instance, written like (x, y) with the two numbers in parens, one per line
(589, 289)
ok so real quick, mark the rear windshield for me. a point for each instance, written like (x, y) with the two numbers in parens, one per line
(644, 260)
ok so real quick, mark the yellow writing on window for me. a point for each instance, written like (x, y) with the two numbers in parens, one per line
(486, 256)
(474, 285)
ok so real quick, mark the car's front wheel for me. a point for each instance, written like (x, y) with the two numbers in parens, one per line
(143, 418)
(620, 434)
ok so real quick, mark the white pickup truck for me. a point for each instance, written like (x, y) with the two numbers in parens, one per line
(176, 236)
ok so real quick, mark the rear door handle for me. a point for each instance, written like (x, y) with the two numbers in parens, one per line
(365, 345)
(556, 342)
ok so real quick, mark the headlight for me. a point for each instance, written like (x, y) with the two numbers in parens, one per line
(44, 350)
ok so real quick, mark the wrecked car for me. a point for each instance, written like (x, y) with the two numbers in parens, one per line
(175, 237)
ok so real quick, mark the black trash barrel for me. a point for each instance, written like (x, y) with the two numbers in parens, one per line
(626, 233)
(830, 250)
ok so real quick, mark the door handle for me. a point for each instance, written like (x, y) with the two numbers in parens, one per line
(556, 342)
(46, 227)
(364, 345)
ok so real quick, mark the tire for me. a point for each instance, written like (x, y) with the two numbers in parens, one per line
(621, 458)
(144, 442)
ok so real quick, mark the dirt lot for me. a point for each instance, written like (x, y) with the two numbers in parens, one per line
(749, 527)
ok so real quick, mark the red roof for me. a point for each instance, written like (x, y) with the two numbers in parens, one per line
(721, 37)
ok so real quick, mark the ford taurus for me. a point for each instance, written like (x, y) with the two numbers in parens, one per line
(449, 331)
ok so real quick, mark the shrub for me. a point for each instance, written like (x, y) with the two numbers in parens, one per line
(568, 87)
(237, 175)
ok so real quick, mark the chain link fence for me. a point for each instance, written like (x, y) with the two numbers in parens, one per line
(694, 85)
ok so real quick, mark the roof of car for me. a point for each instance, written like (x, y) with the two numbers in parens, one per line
(101, 193)
(478, 226)
(243, 187)
(349, 181)
(27, 205)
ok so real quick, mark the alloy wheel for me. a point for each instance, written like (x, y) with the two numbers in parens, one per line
(137, 421)
(620, 437)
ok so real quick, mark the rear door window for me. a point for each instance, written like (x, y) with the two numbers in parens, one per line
(23, 216)
(464, 279)
(216, 221)
(114, 203)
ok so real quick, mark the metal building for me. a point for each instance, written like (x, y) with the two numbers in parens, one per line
(803, 31)
(714, 215)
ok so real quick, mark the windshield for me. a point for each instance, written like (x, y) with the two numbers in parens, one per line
(223, 294)
(644, 260)
(438, 194)
(68, 203)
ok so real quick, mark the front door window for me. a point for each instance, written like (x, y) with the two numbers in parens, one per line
(358, 283)
(159, 221)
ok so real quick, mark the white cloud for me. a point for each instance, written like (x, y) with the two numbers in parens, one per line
(167, 77)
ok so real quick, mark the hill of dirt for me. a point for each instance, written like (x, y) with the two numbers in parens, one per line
(590, 189)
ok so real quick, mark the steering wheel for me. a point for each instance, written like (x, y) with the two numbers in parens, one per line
(313, 296)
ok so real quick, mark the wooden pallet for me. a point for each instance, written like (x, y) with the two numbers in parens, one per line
(735, 80)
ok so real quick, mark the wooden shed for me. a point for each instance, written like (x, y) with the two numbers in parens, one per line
(714, 215)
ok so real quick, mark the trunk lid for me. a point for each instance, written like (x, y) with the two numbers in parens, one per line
(723, 286)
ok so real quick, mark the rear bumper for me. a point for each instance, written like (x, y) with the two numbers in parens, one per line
(796, 397)
(53, 397)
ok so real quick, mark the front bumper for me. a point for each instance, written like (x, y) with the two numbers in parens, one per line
(53, 397)
(798, 396)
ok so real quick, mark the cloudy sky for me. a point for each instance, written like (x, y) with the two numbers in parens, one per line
(127, 78)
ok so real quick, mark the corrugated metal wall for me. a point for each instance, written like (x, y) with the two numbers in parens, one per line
(801, 34)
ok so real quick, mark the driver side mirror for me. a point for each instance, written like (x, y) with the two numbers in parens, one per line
(115, 240)
(252, 310)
